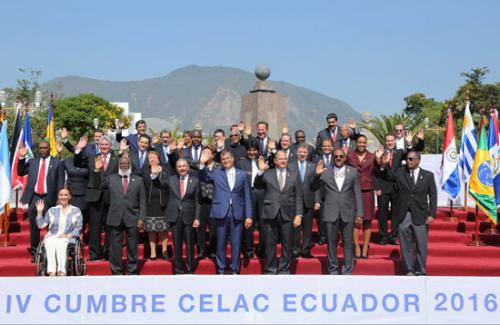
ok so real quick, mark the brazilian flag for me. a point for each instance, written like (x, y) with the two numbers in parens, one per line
(481, 181)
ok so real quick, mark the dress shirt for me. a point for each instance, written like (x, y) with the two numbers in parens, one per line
(339, 174)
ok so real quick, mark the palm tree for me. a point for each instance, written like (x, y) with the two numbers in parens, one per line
(382, 125)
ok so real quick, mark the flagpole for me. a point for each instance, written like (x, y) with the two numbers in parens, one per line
(476, 241)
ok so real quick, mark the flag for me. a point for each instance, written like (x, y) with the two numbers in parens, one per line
(5, 188)
(19, 182)
(16, 131)
(481, 181)
(493, 147)
(450, 178)
(51, 133)
(468, 146)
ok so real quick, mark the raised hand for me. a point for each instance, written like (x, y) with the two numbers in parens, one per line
(271, 145)
(59, 148)
(156, 138)
(82, 143)
(40, 205)
(64, 133)
(99, 163)
(206, 155)
(284, 130)
(123, 145)
(220, 144)
(121, 123)
(248, 130)
(172, 145)
(385, 159)
(263, 166)
(155, 170)
(351, 123)
(241, 126)
(409, 138)
(320, 167)
(380, 151)
(23, 151)
(180, 145)
(421, 133)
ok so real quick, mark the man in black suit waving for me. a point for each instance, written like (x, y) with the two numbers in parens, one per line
(45, 176)
(282, 211)
(417, 209)
(127, 210)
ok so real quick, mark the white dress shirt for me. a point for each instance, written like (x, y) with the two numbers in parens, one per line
(255, 170)
(231, 177)
(339, 174)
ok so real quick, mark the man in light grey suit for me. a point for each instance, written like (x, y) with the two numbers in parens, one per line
(127, 210)
(343, 207)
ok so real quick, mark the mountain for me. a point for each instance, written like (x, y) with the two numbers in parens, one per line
(210, 96)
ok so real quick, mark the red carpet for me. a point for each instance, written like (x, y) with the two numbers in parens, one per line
(449, 254)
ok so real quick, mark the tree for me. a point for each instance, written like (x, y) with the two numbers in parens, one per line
(382, 125)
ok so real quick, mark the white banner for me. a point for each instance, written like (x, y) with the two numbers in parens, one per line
(250, 299)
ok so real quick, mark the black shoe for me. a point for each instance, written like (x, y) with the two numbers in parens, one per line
(33, 259)
(384, 242)
(357, 257)
(94, 259)
(322, 241)
(364, 257)
(307, 255)
(152, 258)
(165, 255)
(212, 256)
(393, 242)
(200, 257)
(295, 254)
(246, 260)
(410, 274)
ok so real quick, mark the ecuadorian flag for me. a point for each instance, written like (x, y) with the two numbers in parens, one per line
(481, 181)
(51, 133)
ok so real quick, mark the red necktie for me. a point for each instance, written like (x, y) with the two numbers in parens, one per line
(182, 187)
(345, 148)
(40, 188)
(125, 184)
(105, 161)
(334, 135)
(390, 158)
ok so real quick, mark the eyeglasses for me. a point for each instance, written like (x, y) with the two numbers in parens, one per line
(234, 135)
(399, 130)
(339, 156)
(411, 158)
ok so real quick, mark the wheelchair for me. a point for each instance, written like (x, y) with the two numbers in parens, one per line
(75, 263)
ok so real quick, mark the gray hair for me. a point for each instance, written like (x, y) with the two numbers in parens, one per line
(105, 138)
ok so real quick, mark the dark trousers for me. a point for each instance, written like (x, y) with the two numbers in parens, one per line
(97, 220)
(183, 233)
(347, 229)
(201, 237)
(115, 249)
(274, 229)
(413, 240)
(34, 231)
(383, 216)
(321, 223)
(302, 236)
(257, 200)
(235, 230)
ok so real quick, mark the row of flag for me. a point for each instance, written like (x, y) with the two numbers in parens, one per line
(21, 137)
(477, 166)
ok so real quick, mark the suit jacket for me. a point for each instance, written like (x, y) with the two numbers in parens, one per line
(185, 209)
(131, 140)
(368, 170)
(136, 166)
(310, 150)
(288, 202)
(127, 208)
(345, 203)
(246, 166)
(54, 176)
(94, 192)
(327, 134)
(172, 159)
(388, 186)
(320, 156)
(78, 178)
(420, 199)
(89, 150)
(187, 153)
(352, 145)
(308, 196)
(223, 199)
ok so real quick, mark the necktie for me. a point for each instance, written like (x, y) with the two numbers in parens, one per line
(327, 161)
(195, 153)
(181, 184)
(412, 178)
(261, 146)
(346, 147)
(334, 135)
(105, 161)
(281, 179)
(125, 184)
(97, 149)
(165, 150)
(302, 170)
(40, 188)
(390, 158)
(141, 160)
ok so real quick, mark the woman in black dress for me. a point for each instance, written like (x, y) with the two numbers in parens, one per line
(155, 224)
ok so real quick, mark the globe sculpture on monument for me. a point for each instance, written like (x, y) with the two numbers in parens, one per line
(264, 104)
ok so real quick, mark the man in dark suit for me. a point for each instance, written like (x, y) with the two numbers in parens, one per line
(97, 197)
(193, 153)
(167, 150)
(346, 142)
(300, 137)
(389, 195)
(45, 176)
(404, 138)
(343, 207)
(332, 132)
(233, 144)
(302, 242)
(285, 146)
(231, 207)
(282, 211)
(183, 211)
(139, 159)
(417, 209)
(127, 210)
(250, 166)
(91, 149)
(140, 127)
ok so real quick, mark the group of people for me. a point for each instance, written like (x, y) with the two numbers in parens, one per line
(240, 184)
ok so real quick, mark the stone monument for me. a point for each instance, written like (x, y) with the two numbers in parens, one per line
(264, 104)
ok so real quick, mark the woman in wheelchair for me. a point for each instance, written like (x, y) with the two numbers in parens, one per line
(64, 223)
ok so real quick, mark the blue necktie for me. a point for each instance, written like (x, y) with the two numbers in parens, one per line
(302, 171)
(141, 160)
(165, 148)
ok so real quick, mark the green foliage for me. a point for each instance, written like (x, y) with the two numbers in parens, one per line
(382, 125)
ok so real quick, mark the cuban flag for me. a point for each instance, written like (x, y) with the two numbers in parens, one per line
(468, 146)
(493, 147)
(450, 178)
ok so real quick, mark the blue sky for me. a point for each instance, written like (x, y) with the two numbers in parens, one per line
(370, 54)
